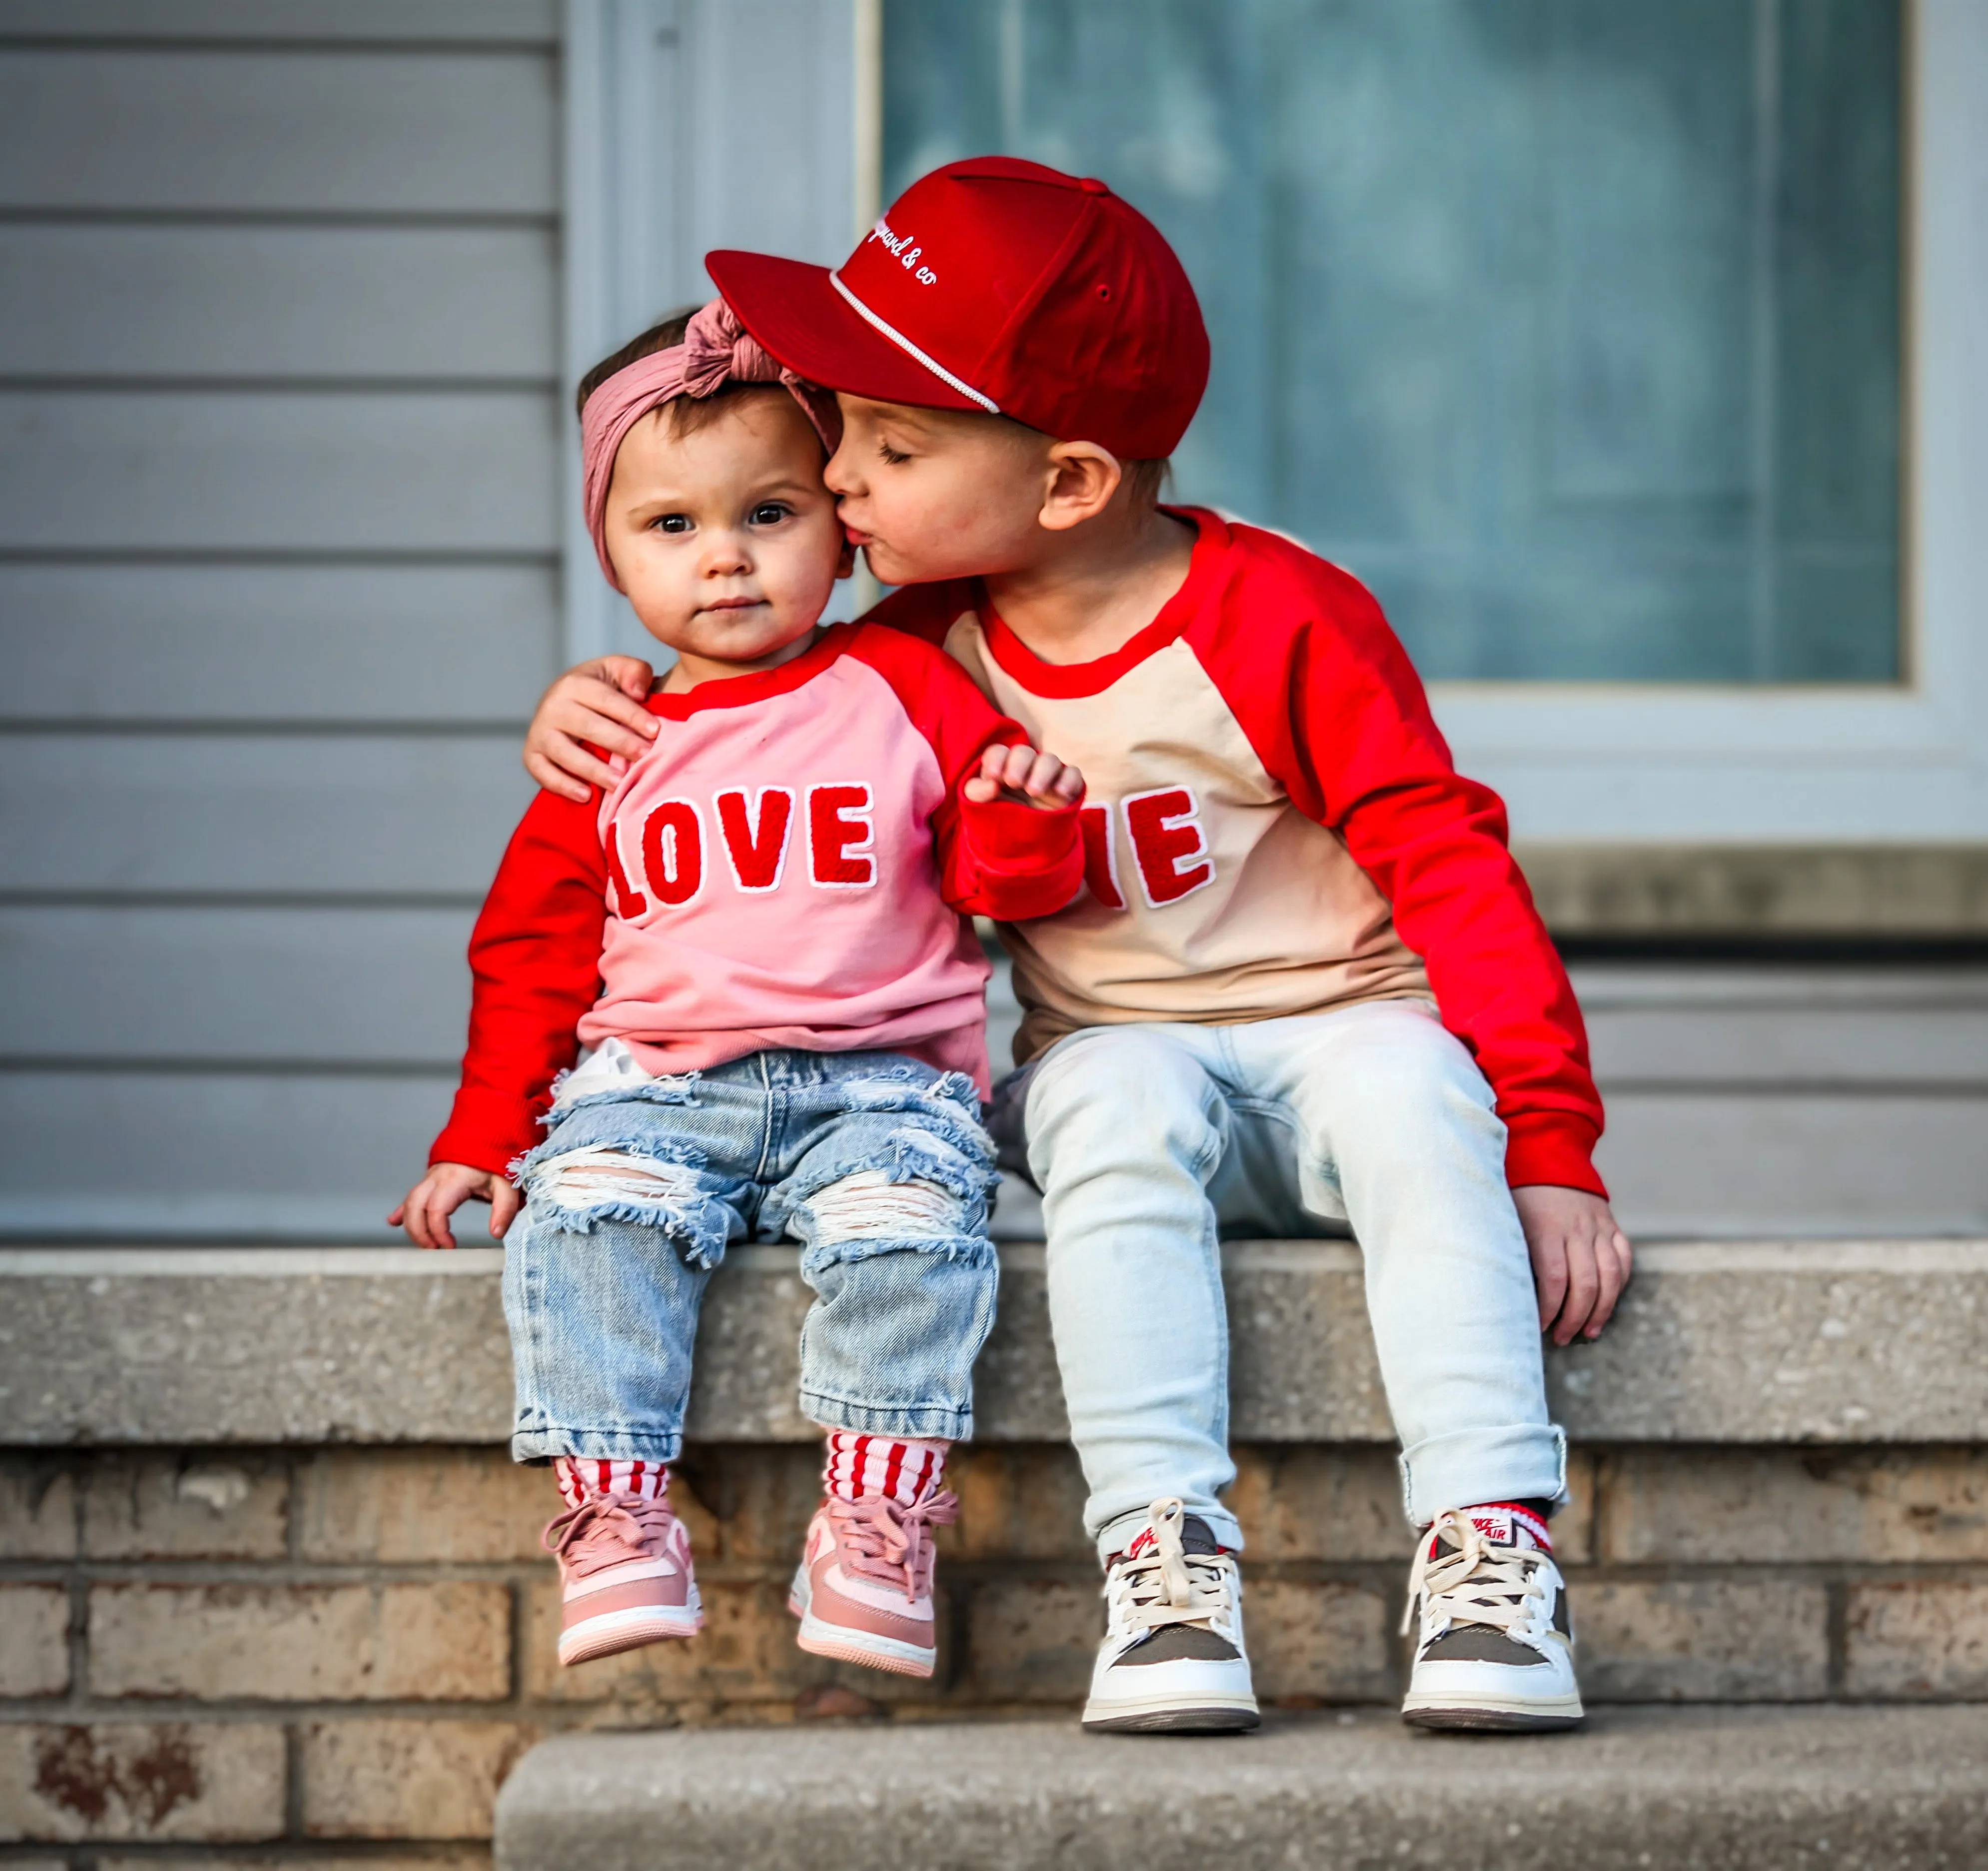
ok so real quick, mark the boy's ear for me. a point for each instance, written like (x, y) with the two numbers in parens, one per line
(1083, 477)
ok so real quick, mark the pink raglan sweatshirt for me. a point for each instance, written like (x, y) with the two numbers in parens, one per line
(789, 864)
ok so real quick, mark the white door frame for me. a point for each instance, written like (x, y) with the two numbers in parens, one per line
(691, 124)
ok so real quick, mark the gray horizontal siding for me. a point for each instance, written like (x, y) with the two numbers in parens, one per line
(471, 472)
(317, 815)
(1786, 1098)
(218, 642)
(270, 1155)
(1781, 1045)
(294, 988)
(1845, 1162)
(304, 131)
(528, 22)
(230, 301)
(279, 475)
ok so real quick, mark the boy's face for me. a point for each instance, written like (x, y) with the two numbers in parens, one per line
(931, 494)
(724, 539)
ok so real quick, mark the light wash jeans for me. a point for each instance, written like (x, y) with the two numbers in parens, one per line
(876, 1163)
(1146, 1140)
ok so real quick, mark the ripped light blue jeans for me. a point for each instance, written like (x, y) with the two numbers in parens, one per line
(875, 1163)
(1149, 1141)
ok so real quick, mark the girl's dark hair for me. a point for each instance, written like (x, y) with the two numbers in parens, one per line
(687, 414)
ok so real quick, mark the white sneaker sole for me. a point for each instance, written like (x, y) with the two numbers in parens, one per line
(1463, 1708)
(627, 1630)
(1172, 1715)
(821, 1639)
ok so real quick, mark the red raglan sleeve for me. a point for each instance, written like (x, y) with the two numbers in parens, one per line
(1337, 713)
(1003, 859)
(535, 956)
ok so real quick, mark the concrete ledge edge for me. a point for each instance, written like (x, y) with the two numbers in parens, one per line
(1765, 1341)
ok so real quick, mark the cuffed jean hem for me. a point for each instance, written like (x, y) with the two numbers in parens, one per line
(1525, 1462)
(929, 1423)
(1121, 1529)
(596, 1445)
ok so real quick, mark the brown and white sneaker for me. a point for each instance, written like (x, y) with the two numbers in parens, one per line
(1173, 1660)
(864, 1590)
(625, 1571)
(1496, 1645)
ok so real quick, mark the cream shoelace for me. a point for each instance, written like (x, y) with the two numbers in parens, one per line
(1168, 1585)
(1497, 1585)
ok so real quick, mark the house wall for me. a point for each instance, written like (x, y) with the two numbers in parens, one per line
(279, 526)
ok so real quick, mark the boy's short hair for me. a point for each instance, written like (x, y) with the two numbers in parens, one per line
(687, 414)
(1147, 478)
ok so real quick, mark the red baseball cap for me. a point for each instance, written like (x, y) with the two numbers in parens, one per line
(997, 284)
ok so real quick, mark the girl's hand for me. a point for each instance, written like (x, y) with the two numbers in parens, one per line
(441, 1192)
(1581, 1258)
(1041, 779)
(600, 701)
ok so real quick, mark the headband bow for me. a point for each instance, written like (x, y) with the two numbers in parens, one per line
(716, 349)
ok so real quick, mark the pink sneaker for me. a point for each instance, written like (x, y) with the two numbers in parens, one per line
(625, 1564)
(864, 1590)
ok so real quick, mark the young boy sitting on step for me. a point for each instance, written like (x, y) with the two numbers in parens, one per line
(1306, 988)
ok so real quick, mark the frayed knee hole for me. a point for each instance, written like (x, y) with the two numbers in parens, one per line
(599, 1178)
(869, 1206)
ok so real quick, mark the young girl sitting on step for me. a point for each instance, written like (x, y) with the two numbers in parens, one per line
(754, 944)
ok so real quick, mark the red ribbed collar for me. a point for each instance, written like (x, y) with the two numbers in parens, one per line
(736, 691)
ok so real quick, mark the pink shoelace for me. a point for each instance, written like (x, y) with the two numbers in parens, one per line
(601, 1530)
(879, 1537)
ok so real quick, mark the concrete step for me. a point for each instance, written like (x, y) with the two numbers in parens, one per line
(1850, 1788)
(1881, 1341)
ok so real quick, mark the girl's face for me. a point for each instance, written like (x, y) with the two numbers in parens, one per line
(726, 539)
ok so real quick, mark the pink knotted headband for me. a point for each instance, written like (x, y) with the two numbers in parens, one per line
(716, 349)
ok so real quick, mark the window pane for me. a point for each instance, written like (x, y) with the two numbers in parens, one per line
(1571, 325)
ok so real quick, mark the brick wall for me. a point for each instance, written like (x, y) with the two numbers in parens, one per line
(338, 1654)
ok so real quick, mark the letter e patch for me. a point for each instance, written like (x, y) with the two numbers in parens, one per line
(1166, 833)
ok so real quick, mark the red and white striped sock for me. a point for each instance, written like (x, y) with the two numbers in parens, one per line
(859, 1465)
(583, 1477)
(1508, 1522)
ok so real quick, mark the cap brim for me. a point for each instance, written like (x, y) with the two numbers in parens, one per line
(796, 314)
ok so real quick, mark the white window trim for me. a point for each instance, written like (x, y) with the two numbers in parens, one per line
(660, 131)
(1851, 763)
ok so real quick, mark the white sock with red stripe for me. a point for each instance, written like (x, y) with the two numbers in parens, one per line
(859, 1465)
(588, 1477)
(1509, 1523)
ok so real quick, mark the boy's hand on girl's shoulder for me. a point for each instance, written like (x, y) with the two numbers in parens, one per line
(424, 1214)
(1581, 1258)
(1041, 779)
(599, 703)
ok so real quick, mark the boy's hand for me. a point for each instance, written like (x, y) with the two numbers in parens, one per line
(441, 1192)
(1041, 779)
(600, 701)
(1581, 1258)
